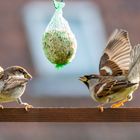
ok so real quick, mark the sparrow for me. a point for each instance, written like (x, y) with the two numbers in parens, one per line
(13, 82)
(119, 72)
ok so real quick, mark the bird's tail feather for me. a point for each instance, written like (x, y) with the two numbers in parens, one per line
(134, 71)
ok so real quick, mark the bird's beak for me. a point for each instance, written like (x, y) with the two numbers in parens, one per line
(28, 76)
(83, 79)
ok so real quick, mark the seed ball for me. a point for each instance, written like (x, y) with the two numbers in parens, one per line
(59, 46)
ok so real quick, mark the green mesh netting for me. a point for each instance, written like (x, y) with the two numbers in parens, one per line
(59, 43)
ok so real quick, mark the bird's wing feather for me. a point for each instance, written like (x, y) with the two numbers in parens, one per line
(109, 87)
(134, 72)
(116, 58)
(14, 82)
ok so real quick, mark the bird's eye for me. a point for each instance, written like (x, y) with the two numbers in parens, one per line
(93, 77)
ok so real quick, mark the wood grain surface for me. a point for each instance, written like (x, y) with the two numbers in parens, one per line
(70, 115)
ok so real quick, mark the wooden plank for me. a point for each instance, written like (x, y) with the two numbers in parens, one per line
(61, 114)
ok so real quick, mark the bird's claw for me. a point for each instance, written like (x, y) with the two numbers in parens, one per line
(1, 106)
(101, 108)
(27, 106)
(119, 104)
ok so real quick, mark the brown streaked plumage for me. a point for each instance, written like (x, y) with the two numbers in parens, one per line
(117, 54)
(13, 82)
(119, 72)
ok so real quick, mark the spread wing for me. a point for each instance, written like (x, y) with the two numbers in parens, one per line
(109, 87)
(116, 58)
(134, 71)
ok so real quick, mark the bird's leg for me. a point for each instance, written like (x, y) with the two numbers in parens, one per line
(27, 106)
(101, 108)
(119, 104)
(1, 106)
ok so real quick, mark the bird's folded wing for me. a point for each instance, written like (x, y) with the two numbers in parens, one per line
(109, 87)
(116, 58)
(134, 72)
(14, 82)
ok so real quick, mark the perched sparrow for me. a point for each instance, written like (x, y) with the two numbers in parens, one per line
(13, 82)
(119, 72)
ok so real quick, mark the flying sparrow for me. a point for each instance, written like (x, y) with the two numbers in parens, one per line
(13, 82)
(119, 72)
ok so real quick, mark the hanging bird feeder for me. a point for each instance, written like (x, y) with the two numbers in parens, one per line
(59, 43)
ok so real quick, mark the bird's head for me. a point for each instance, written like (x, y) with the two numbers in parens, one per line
(89, 79)
(19, 71)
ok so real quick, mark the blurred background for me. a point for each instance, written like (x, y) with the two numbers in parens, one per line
(22, 23)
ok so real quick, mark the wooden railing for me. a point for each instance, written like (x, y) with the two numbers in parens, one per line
(61, 114)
